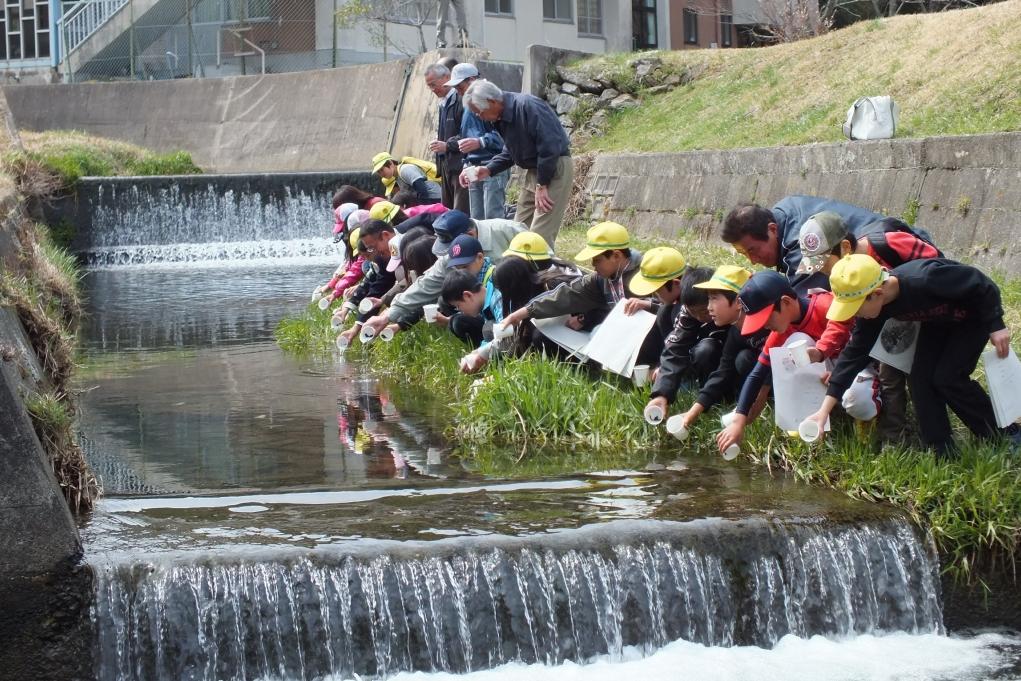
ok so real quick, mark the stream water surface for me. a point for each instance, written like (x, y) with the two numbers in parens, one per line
(275, 517)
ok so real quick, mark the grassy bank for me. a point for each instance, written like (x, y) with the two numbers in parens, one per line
(534, 416)
(951, 73)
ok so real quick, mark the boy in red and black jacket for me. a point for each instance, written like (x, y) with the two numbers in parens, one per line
(770, 302)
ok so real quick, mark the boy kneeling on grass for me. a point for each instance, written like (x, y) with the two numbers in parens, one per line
(693, 342)
(478, 300)
(960, 310)
(770, 302)
(740, 353)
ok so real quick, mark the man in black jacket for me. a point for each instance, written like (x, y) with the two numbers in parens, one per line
(960, 310)
(449, 161)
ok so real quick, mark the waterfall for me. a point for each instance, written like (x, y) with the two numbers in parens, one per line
(458, 605)
(190, 219)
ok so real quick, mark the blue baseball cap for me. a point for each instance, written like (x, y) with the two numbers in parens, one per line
(463, 250)
(448, 227)
(758, 297)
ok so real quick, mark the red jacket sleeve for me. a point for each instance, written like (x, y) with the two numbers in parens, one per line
(351, 277)
(834, 338)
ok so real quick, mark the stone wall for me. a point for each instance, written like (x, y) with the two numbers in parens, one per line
(965, 190)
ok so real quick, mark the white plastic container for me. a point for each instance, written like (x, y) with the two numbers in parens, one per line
(367, 335)
(365, 306)
(731, 452)
(324, 303)
(675, 426)
(317, 296)
(727, 419)
(342, 342)
(809, 430)
(501, 331)
(799, 353)
(472, 173)
(640, 375)
(653, 414)
(386, 335)
(430, 312)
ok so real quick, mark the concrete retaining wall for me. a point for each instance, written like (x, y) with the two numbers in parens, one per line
(965, 190)
(334, 119)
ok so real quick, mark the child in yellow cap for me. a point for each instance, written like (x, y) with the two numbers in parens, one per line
(590, 298)
(960, 311)
(692, 342)
(739, 354)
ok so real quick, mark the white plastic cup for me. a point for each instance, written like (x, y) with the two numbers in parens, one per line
(640, 375)
(675, 426)
(343, 342)
(727, 419)
(324, 303)
(472, 173)
(809, 430)
(317, 295)
(731, 452)
(386, 335)
(335, 323)
(501, 331)
(365, 306)
(430, 311)
(799, 353)
(653, 414)
(367, 335)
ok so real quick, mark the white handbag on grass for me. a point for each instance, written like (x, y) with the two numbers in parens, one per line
(872, 118)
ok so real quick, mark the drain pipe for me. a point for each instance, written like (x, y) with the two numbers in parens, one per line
(400, 106)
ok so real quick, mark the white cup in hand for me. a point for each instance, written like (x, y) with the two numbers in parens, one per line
(675, 426)
(430, 311)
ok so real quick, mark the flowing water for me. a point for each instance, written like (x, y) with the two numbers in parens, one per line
(272, 517)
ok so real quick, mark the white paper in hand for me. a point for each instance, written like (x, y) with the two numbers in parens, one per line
(617, 341)
(556, 329)
(797, 392)
(1004, 377)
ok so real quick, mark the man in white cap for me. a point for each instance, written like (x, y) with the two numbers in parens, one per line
(479, 142)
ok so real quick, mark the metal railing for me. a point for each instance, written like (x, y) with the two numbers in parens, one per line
(84, 19)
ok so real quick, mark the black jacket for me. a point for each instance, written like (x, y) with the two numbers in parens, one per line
(725, 381)
(449, 131)
(682, 332)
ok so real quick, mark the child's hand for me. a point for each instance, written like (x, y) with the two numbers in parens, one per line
(632, 305)
(575, 322)
(1001, 341)
(442, 320)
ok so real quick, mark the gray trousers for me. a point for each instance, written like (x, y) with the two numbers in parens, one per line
(441, 21)
(487, 197)
(547, 225)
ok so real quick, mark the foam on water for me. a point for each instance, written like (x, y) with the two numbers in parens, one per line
(900, 657)
(277, 253)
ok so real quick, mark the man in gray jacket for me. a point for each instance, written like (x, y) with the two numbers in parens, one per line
(494, 235)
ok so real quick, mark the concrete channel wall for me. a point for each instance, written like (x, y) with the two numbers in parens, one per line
(332, 119)
(965, 190)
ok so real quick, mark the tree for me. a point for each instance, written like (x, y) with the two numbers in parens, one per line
(377, 15)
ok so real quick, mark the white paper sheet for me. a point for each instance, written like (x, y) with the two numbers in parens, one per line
(556, 329)
(896, 344)
(797, 392)
(1004, 377)
(617, 341)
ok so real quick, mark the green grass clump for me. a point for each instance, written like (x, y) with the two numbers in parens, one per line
(67, 156)
(307, 334)
(951, 73)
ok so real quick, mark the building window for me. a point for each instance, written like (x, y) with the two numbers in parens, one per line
(690, 27)
(24, 30)
(726, 30)
(643, 22)
(221, 11)
(590, 17)
(557, 10)
(500, 7)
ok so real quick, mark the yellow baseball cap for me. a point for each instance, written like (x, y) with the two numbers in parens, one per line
(606, 236)
(380, 159)
(528, 246)
(383, 210)
(659, 265)
(853, 278)
(355, 235)
(726, 278)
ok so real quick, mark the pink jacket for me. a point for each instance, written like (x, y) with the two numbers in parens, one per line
(425, 208)
(351, 276)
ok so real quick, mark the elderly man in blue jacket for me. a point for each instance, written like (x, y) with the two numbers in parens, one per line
(533, 139)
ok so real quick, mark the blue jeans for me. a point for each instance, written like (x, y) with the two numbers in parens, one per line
(486, 197)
